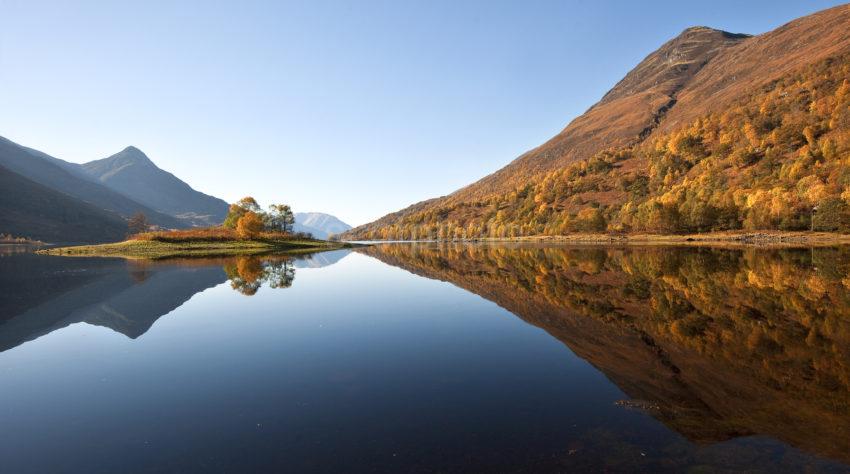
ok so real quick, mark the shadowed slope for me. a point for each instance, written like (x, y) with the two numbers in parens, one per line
(131, 173)
(35, 211)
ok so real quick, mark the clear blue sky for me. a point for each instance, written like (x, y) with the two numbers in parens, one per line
(351, 108)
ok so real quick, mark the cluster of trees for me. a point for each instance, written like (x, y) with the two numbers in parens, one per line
(777, 160)
(248, 219)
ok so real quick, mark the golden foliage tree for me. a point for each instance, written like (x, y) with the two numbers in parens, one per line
(249, 226)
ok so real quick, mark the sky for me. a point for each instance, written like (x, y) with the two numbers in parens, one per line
(356, 109)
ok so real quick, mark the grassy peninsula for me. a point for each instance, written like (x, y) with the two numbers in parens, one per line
(199, 243)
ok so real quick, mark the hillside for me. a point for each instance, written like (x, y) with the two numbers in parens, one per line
(131, 173)
(45, 170)
(712, 131)
(32, 210)
(319, 224)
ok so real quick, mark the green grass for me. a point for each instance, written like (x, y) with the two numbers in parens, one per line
(196, 248)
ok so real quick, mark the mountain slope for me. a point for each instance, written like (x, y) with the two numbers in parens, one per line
(694, 77)
(45, 171)
(131, 173)
(32, 210)
(319, 224)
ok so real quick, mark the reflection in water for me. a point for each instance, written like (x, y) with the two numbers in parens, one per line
(715, 343)
(42, 294)
(247, 274)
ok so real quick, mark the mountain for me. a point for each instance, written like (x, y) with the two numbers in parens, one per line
(131, 173)
(701, 135)
(319, 224)
(28, 209)
(46, 171)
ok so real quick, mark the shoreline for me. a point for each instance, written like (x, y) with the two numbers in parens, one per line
(726, 238)
(152, 249)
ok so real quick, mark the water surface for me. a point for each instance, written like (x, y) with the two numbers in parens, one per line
(425, 357)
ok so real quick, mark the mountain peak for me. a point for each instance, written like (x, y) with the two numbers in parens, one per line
(670, 67)
(132, 153)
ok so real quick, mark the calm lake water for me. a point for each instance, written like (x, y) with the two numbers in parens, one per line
(427, 357)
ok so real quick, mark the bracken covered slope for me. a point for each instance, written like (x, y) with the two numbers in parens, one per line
(697, 75)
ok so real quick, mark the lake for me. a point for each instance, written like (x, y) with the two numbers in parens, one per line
(429, 357)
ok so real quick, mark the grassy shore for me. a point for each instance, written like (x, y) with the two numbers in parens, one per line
(196, 244)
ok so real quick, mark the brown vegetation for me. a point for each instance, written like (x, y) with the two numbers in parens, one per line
(711, 132)
(210, 234)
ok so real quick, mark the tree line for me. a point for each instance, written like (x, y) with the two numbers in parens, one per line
(246, 217)
(249, 219)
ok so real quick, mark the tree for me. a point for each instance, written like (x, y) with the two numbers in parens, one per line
(249, 204)
(249, 225)
(280, 217)
(239, 208)
(137, 224)
(831, 215)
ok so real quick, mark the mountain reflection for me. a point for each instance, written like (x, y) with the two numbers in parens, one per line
(42, 294)
(714, 343)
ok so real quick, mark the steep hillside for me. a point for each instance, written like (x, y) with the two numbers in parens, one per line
(131, 173)
(319, 224)
(706, 108)
(44, 170)
(32, 210)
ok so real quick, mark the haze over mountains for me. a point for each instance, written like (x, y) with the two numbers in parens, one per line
(688, 82)
(319, 224)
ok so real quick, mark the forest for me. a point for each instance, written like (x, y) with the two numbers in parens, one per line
(777, 160)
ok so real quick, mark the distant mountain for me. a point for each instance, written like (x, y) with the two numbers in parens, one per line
(131, 173)
(705, 133)
(48, 172)
(100, 193)
(319, 224)
(29, 209)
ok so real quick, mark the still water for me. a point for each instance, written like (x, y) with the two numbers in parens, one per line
(427, 357)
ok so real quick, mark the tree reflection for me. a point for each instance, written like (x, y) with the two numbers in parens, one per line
(248, 274)
(724, 342)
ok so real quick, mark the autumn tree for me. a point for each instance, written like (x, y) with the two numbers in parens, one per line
(249, 225)
(239, 208)
(138, 224)
(831, 215)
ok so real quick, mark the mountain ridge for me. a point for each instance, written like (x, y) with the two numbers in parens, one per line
(132, 173)
(46, 171)
(699, 72)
